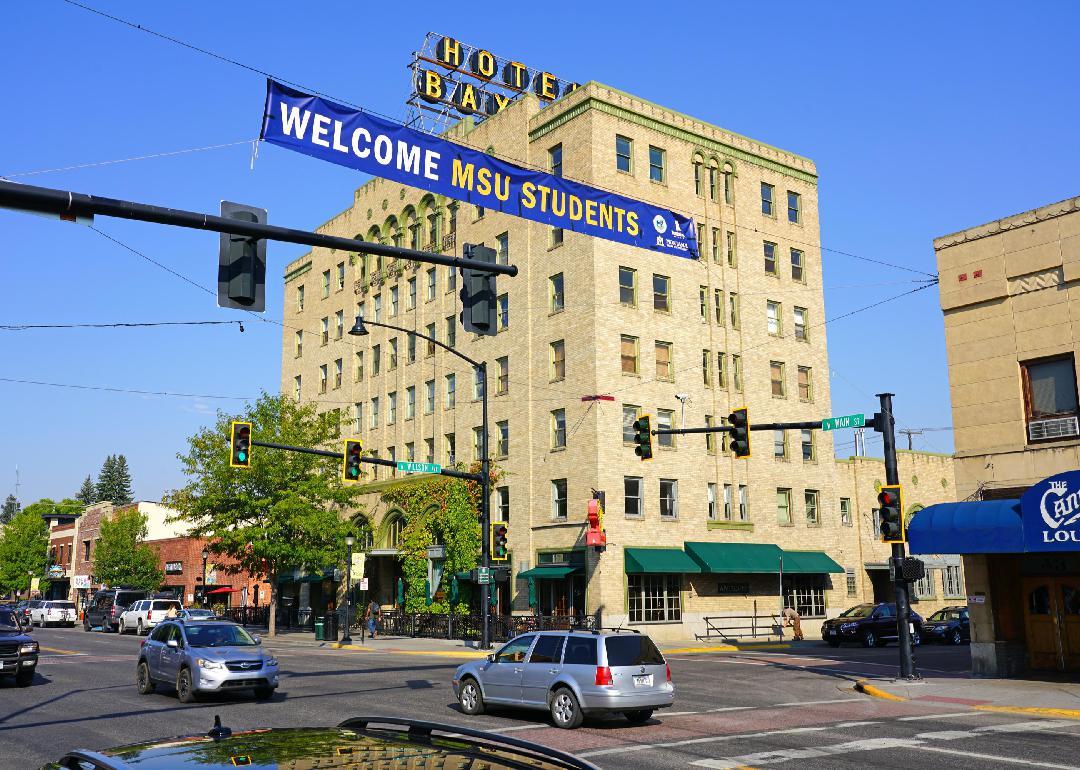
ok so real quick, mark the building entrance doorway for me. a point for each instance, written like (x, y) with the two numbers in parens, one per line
(1052, 622)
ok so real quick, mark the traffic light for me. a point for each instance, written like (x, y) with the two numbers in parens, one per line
(499, 549)
(740, 432)
(350, 468)
(891, 514)
(479, 308)
(643, 437)
(242, 262)
(240, 440)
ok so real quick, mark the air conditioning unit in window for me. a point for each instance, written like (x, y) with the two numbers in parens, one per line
(1059, 427)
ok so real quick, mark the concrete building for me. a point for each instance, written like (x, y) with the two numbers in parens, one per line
(684, 340)
(1008, 292)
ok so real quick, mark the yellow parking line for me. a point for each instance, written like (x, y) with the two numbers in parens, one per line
(58, 650)
(1036, 710)
(727, 648)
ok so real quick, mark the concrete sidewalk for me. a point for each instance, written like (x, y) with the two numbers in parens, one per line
(1050, 698)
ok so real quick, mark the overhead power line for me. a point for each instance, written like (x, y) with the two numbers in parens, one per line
(133, 325)
(126, 160)
(122, 390)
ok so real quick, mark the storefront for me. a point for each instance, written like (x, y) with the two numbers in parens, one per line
(556, 585)
(1022, 568)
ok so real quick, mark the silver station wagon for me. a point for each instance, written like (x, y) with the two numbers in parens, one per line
(570, 674)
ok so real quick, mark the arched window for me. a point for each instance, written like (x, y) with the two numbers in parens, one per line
(729, 184)
(714, 174)
(414, 230)
(394, 532)
(698, 162)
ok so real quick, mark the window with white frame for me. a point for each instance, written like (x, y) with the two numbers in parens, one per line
(558, 429)
(806, 596)
(654, 598)
(429, 396)
(849, 579)
(952, 581)
(632, 495)
(558, 498)
(924, 586)
(711, 512)
(451, 391)
(630, 413)
(845, 511)
(669, 498)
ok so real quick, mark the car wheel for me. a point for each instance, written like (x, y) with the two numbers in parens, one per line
(565, 710)
(85, 625)
(957, 637)
(470, 698)
(639, 717)
(264, 693)
(185, 693)
(141, 630)
(122, 628)
(869, 639)
(25, 677)
(143, 683)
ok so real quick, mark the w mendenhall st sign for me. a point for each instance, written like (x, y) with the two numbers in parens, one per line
(1051, 513)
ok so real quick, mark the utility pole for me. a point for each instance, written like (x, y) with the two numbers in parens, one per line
(886, 425)
(909, 432)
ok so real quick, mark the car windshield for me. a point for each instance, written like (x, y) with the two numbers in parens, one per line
(164, 604)
(632, 650)
(218, 636)
(8, 621)
(945, 615)
(62, 605)
(861, 611)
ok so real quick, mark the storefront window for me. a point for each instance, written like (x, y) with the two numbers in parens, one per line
(950, 577)
(807, 596)
(654, 598)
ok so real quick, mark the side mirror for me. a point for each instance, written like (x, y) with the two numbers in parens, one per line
(172, 643)
(258, 639)
(491, 657)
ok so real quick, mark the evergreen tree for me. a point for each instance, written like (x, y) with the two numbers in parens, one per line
(87, 494)
(11, 507)
(122, 481)
(106, 483)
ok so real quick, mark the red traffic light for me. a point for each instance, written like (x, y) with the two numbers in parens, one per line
(887, 497)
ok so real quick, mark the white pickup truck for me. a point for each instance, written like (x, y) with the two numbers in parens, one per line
(144, 614)
(53, 612)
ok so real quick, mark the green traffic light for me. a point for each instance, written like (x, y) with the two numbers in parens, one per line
(354, 471)
(241, 456)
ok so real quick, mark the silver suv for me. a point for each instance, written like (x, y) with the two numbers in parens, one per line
(571, 674)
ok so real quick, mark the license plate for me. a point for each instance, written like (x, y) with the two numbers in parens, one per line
(831, 632)
(643, 681)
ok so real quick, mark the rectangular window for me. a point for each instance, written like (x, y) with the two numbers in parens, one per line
(391, 362)
(783, 507)
(665, 419)
(429, 397)
(479, 380)
(299, 299)
(715, 245)
(393, 301)
(849, 579)
(502, 250)
(806, 596)
(718, 306)
(952, 581)
(377, 302)
(555, 160)
(661, 293)
(502, 503)
(624, 151)
(632, 488)
(451, 394)
(810, 500)
(712, 182)
(794, 207)
(780, 444)
(1049, 393)
(410, 300)
(769, 250)
(340, 276)
(431, 284)
(845, 511)
(744, 503)
(504, 311)
(706, 368)
(796, 265)
(410, 402)
(502, 384)
(697, 177)
(664, 365)
(732, 260)
(733, 309)
(375, 412)
(725, 438)
(669, 498)
(556, 237)
(630, 414)
(451, 331)
(479, 212)
(808, 451)
(629, 354)
(628, 286)
(806, 383)
(656, 164)
(429, 330)
(322, 378)
(451, 448)
(711, 511)
(429, 447)
(325, 322)
(773, 317)
(558, 429)
(391, 407)
(410, 452)
(451, 279)
(555, 293)
(326, 284)
(703, 302)
(299, 337)
(727, 502)
(410, 348)
(736, 372)
(558, 361)
(339, 324)
(337, 373)
(558, 498)
(502, 432)
(721, 370)
(767, 196)
(710, 438)
(776, 379)
(477, 442)
(800, 324)
(654, 598)
(924, 586)
(358, 425)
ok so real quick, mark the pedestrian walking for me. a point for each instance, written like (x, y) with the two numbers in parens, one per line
(372, 617)
(793, 620)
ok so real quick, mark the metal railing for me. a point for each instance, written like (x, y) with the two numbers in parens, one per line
(468, 627)
(742, 627)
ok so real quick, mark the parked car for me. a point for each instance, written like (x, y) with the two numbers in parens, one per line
(380, 741)
(872, 625)
(20, 610)
(189, 613)
(144, 614)
(25, 607)
(18, 652)
(201, 656)
(53, 612)
(949, 624)
(107, 605)
(570, 674)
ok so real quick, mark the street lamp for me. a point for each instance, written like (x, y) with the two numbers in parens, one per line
(29, 582)
(205, 556)
(359, 330)
(349, 541)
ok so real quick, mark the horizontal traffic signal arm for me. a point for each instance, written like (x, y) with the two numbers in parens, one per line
(340, 457)
(812, 425)
(47, 200)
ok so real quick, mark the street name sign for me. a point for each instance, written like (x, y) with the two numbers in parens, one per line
(419, 467)
(847, 421)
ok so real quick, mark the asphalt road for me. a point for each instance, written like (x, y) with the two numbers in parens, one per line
(733, 710)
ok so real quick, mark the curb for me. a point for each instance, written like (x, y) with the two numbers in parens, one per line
(1039, 711)
(437, 653)
(726, 648)
(876, 692)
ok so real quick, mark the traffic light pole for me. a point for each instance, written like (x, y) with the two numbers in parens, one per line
(885, 424)
(65, 203)
(485, 516)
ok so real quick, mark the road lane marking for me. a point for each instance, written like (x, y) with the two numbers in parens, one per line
(707, 739)
(517, 728)
(820, 702)
(733, 708)
(1031, 710)
(1024, 727)
(943, 715)
(60, 651)
(996, 758)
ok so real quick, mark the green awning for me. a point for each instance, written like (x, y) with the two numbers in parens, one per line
(550, 571)
(809, 563)
(736, 558)
(282, 579)
(465, 576)
(639, 561)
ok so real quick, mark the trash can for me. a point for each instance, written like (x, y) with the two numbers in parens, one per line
(330, 627)
(320, 635)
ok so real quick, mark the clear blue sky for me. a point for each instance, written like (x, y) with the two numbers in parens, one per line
(922, 121)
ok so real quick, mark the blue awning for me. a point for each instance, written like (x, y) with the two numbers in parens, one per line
(990, 526)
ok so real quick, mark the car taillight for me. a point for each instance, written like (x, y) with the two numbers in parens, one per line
(668, 666)
(113, 612)
(149, 615)
(142, 643)
(603, 675)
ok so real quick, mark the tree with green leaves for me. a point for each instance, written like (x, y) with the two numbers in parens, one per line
(288, 510)
(121, 557)
(10, 508)
(105, 487)
(121, 482)
(46, 508)
(87, 494)
(23, 547)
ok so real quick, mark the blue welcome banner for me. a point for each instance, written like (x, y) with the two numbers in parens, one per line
(349, 137)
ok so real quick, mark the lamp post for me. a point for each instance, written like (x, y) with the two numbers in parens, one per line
(349, 541)
(359, 330)
(29, 583)
(205, 556)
